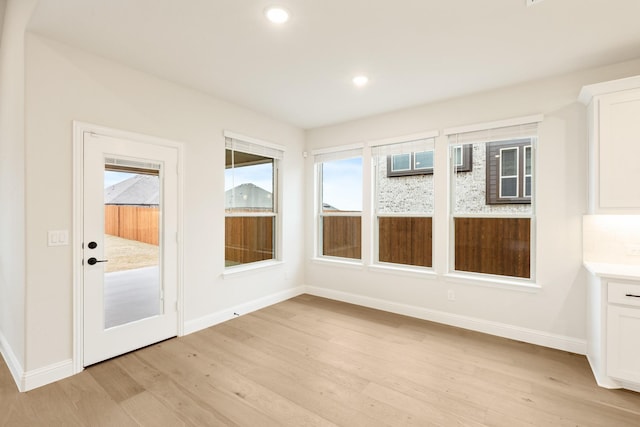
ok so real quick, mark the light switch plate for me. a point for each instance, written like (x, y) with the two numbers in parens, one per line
(58, 237)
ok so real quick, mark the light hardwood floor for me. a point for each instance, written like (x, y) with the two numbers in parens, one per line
(312, 361)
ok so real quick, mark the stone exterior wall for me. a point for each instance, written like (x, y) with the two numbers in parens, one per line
(471, 189)
(403, 194)
(414, 193)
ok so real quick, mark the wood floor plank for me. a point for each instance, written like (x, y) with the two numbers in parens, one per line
(313, 361)
(273, 408)
(147, 410)
(117, 383)
(92, 403)
(301, 386)
(186, 404)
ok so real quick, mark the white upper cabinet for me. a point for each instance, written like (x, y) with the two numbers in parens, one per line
(614, 146)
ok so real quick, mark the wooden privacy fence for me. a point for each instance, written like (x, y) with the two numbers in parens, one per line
(498, 246)
(402, 240)
(405, 240)
(248, 239)
(139, 223)
(341, 236)
(493, 246)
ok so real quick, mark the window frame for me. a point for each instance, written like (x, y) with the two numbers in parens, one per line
(494, 175)
(503, 130)
(275, 152)
(467, 158)
(529, 175)
(412, 170)
(415, 257)
(325, 156)
(465, 166)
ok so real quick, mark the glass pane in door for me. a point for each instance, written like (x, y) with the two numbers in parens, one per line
(132, 206)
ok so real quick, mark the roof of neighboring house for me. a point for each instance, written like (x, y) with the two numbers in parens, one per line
(248, 196)
(137, 190)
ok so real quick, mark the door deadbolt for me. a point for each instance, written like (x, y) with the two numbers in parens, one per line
(92, 245)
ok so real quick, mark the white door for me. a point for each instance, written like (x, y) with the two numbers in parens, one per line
(130, 254)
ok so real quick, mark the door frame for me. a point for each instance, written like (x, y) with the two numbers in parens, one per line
(79, 128)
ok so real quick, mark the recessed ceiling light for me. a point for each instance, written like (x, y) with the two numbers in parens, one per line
(277, 14)
(360, 80)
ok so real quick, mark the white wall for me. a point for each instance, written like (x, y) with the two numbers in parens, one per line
(552, 315)
(64, 84)
(12, 184)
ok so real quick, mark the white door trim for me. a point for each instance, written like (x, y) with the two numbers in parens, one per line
(79, 128)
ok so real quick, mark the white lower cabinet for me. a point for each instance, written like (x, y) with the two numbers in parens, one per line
(623, 332)
(614, 331)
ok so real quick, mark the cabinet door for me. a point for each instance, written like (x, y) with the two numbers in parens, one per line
(618, 150)
(623, 343)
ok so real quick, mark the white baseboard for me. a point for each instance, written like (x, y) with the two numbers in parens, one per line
(47, 375)
(26, 381)
(504, 330)
(14, 365)
(601, 379)
(244, 308)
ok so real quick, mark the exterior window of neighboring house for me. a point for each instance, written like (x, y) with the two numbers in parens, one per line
(492, 206)
(509, 172)
(404, 202)
(339, 212)
(421, 162)
(251, 200)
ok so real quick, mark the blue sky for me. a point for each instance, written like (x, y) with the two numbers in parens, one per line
(260, 175)
(342, 184)
(111, 177)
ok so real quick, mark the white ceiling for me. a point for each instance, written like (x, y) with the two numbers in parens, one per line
(414, 51)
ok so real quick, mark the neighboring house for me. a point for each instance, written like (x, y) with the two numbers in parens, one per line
(139, 190)
(412, 190)
(132, 209)
(248, 196)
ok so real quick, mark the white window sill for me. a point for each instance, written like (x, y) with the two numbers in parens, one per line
(250, 267)
(339, 262)
(523, 285)
(421, 272)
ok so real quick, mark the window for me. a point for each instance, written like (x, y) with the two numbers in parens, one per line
(462, 158)
(509, 172)
(404, 202)
(415, 163)
(251, 201)
(492, 207)
(340, 203)
(421, 162)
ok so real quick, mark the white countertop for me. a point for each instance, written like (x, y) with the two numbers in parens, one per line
(615, 271)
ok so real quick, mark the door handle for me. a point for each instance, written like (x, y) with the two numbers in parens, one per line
(92, 261)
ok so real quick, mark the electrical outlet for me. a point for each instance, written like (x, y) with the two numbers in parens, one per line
(451, 295)
(633, 250)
